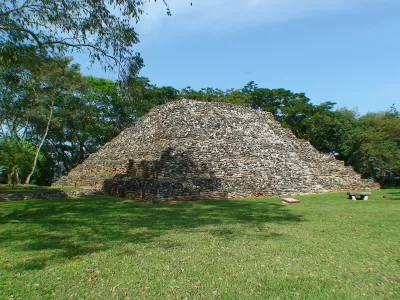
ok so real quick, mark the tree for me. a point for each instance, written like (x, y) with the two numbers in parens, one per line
(32, 90)
(84, 122)
(250, 87)
(293, 110)
(15, 158)
(329, 130)
(139, 94)
(268, 100)
(53, 80)
(107, 103)
(373, 147)
(190, 93)
(235, 96)
(14, 100)
(102, 29)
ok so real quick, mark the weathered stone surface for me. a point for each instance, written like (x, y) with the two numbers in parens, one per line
(290, 200)
(358, 193)
(189, 150)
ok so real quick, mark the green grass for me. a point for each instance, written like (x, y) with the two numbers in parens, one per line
(327, 247)
(28, 188)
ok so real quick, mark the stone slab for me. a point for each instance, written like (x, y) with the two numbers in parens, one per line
(290, 200)
(358, 193)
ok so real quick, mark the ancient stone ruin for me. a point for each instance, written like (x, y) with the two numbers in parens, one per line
(188, 150)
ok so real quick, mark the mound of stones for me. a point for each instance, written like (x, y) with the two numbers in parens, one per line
(188, 150)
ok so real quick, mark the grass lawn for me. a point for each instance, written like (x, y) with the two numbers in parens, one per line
(327, 247)
(28, 188)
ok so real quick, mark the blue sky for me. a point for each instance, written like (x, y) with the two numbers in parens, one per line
(345, 51)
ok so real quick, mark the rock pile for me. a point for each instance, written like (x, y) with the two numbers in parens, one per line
(189, 150)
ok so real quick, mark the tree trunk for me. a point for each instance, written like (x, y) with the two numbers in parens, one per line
(28, 178)
(12, 177)
(9, 178)
(15, 178)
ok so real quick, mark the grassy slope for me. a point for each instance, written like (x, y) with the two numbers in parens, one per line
(327, 247)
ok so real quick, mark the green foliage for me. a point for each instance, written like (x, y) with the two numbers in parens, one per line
(296, 112)
(83, 122)
(374, 145)
(145, 96)
(28, 89)
(236, 97)
(104, 30)
(329, 130)
(15, 156)
(32, 94)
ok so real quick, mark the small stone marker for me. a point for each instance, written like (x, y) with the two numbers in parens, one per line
(290, 200)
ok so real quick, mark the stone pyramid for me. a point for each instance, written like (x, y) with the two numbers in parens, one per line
(187, 150)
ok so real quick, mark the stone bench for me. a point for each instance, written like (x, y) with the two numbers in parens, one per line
(358, 195)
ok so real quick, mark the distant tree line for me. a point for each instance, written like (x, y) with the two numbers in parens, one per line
(52, 117)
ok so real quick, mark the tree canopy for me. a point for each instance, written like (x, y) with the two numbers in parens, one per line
(103, 29)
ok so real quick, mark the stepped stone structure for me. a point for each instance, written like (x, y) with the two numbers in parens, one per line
(188, 150)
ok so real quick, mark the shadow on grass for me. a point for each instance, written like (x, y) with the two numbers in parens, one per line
(394, 195)
(68, 228)
(20, 189)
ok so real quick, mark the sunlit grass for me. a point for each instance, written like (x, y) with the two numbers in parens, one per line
(327, 247)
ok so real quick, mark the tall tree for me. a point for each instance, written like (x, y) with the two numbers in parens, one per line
(143, 95)
(268, 100)
(53, 80)
(329, 130)
(31, 90)
(15, 158)
(85, 122)
(374, 145)
(293, 110)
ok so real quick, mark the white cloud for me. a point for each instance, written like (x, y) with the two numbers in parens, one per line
(220, 15)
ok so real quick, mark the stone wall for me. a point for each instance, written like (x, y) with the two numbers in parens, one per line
(197, 150)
